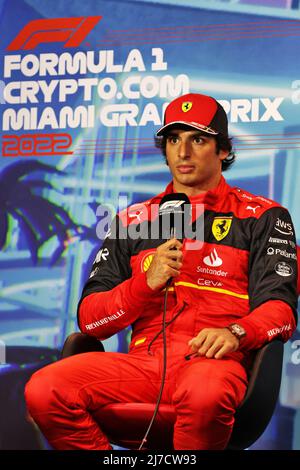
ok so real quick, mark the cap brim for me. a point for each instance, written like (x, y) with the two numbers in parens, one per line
(197, 126)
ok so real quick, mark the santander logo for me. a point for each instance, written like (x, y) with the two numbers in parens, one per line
(213, 259)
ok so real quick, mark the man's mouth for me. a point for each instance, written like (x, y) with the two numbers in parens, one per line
(185, 168)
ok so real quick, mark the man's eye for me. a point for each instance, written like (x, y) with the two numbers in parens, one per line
(198, 140)
(173, 140)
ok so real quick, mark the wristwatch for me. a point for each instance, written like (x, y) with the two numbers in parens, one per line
(236, 330)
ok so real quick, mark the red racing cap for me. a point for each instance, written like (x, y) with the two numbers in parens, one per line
(200, 112)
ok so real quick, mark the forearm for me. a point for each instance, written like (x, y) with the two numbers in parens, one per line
(272, 319)
(102, 314)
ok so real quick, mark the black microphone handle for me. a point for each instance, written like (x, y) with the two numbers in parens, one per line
(172, 235)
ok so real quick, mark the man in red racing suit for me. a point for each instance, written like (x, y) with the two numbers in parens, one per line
(227, 298)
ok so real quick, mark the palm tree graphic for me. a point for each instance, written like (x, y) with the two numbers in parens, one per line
(39, 219)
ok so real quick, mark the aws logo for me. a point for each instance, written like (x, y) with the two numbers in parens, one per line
(70, 31)
(146, 261)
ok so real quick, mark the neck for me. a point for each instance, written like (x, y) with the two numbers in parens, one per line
(191, 191)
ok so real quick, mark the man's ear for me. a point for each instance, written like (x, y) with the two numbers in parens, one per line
(223, 154)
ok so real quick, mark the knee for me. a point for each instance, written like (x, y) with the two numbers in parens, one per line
(213, 400)
(41, 392)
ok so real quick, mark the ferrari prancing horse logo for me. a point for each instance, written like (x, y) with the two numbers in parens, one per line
(186, 106)
(220, 227)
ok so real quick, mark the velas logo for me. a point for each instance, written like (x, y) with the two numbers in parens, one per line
(186, 106)
(70, 31)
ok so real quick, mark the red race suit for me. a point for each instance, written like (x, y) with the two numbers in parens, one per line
(244, 272)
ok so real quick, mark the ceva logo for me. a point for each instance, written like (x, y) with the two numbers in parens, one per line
(70, 31)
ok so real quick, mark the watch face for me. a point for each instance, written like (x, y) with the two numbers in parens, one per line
(237, 330)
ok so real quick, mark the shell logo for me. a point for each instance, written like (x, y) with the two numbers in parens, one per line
(146, 261)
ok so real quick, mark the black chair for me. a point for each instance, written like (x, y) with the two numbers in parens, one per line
(126, 423)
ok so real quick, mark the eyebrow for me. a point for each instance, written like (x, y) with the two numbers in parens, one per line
(194, 134)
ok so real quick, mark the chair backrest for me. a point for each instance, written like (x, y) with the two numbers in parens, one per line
(77, 343)
(255, 412)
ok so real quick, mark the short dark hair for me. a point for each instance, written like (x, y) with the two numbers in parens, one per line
(222, 143)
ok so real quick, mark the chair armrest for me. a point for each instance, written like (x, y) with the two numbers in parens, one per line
(77, 343)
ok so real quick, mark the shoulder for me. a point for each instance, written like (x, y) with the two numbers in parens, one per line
(140, 211)
(249, 198)
(251, 205)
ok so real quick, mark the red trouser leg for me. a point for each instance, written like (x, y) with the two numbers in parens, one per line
(62, 396)
(207, 393)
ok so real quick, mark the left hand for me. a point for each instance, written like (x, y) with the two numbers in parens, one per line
(214, 342)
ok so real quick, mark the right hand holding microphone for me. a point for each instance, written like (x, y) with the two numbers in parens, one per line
(166, 263)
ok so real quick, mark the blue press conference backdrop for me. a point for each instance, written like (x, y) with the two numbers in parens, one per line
(81, 96)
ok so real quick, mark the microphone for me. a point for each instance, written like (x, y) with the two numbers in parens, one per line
(171, 223)
(173, 211)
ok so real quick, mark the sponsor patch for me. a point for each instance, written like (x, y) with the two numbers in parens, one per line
(246, 196)
(140, 341)
(283, 227)
(277, 331)
(278, 240)
(102, 254)
(278, 251)
(213, 259)
(102, 321)
(146, 261)
(215, 272)
(137, 214)
(283, 269)
(209, 282)
(94, 272)
(264, 200)
(252, 208)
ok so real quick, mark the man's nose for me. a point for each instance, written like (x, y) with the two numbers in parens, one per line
(184, 149)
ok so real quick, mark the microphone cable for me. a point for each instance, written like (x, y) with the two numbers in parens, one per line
(163, 331)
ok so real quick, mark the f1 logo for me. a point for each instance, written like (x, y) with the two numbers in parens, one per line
(171, 205)
(71, 31)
